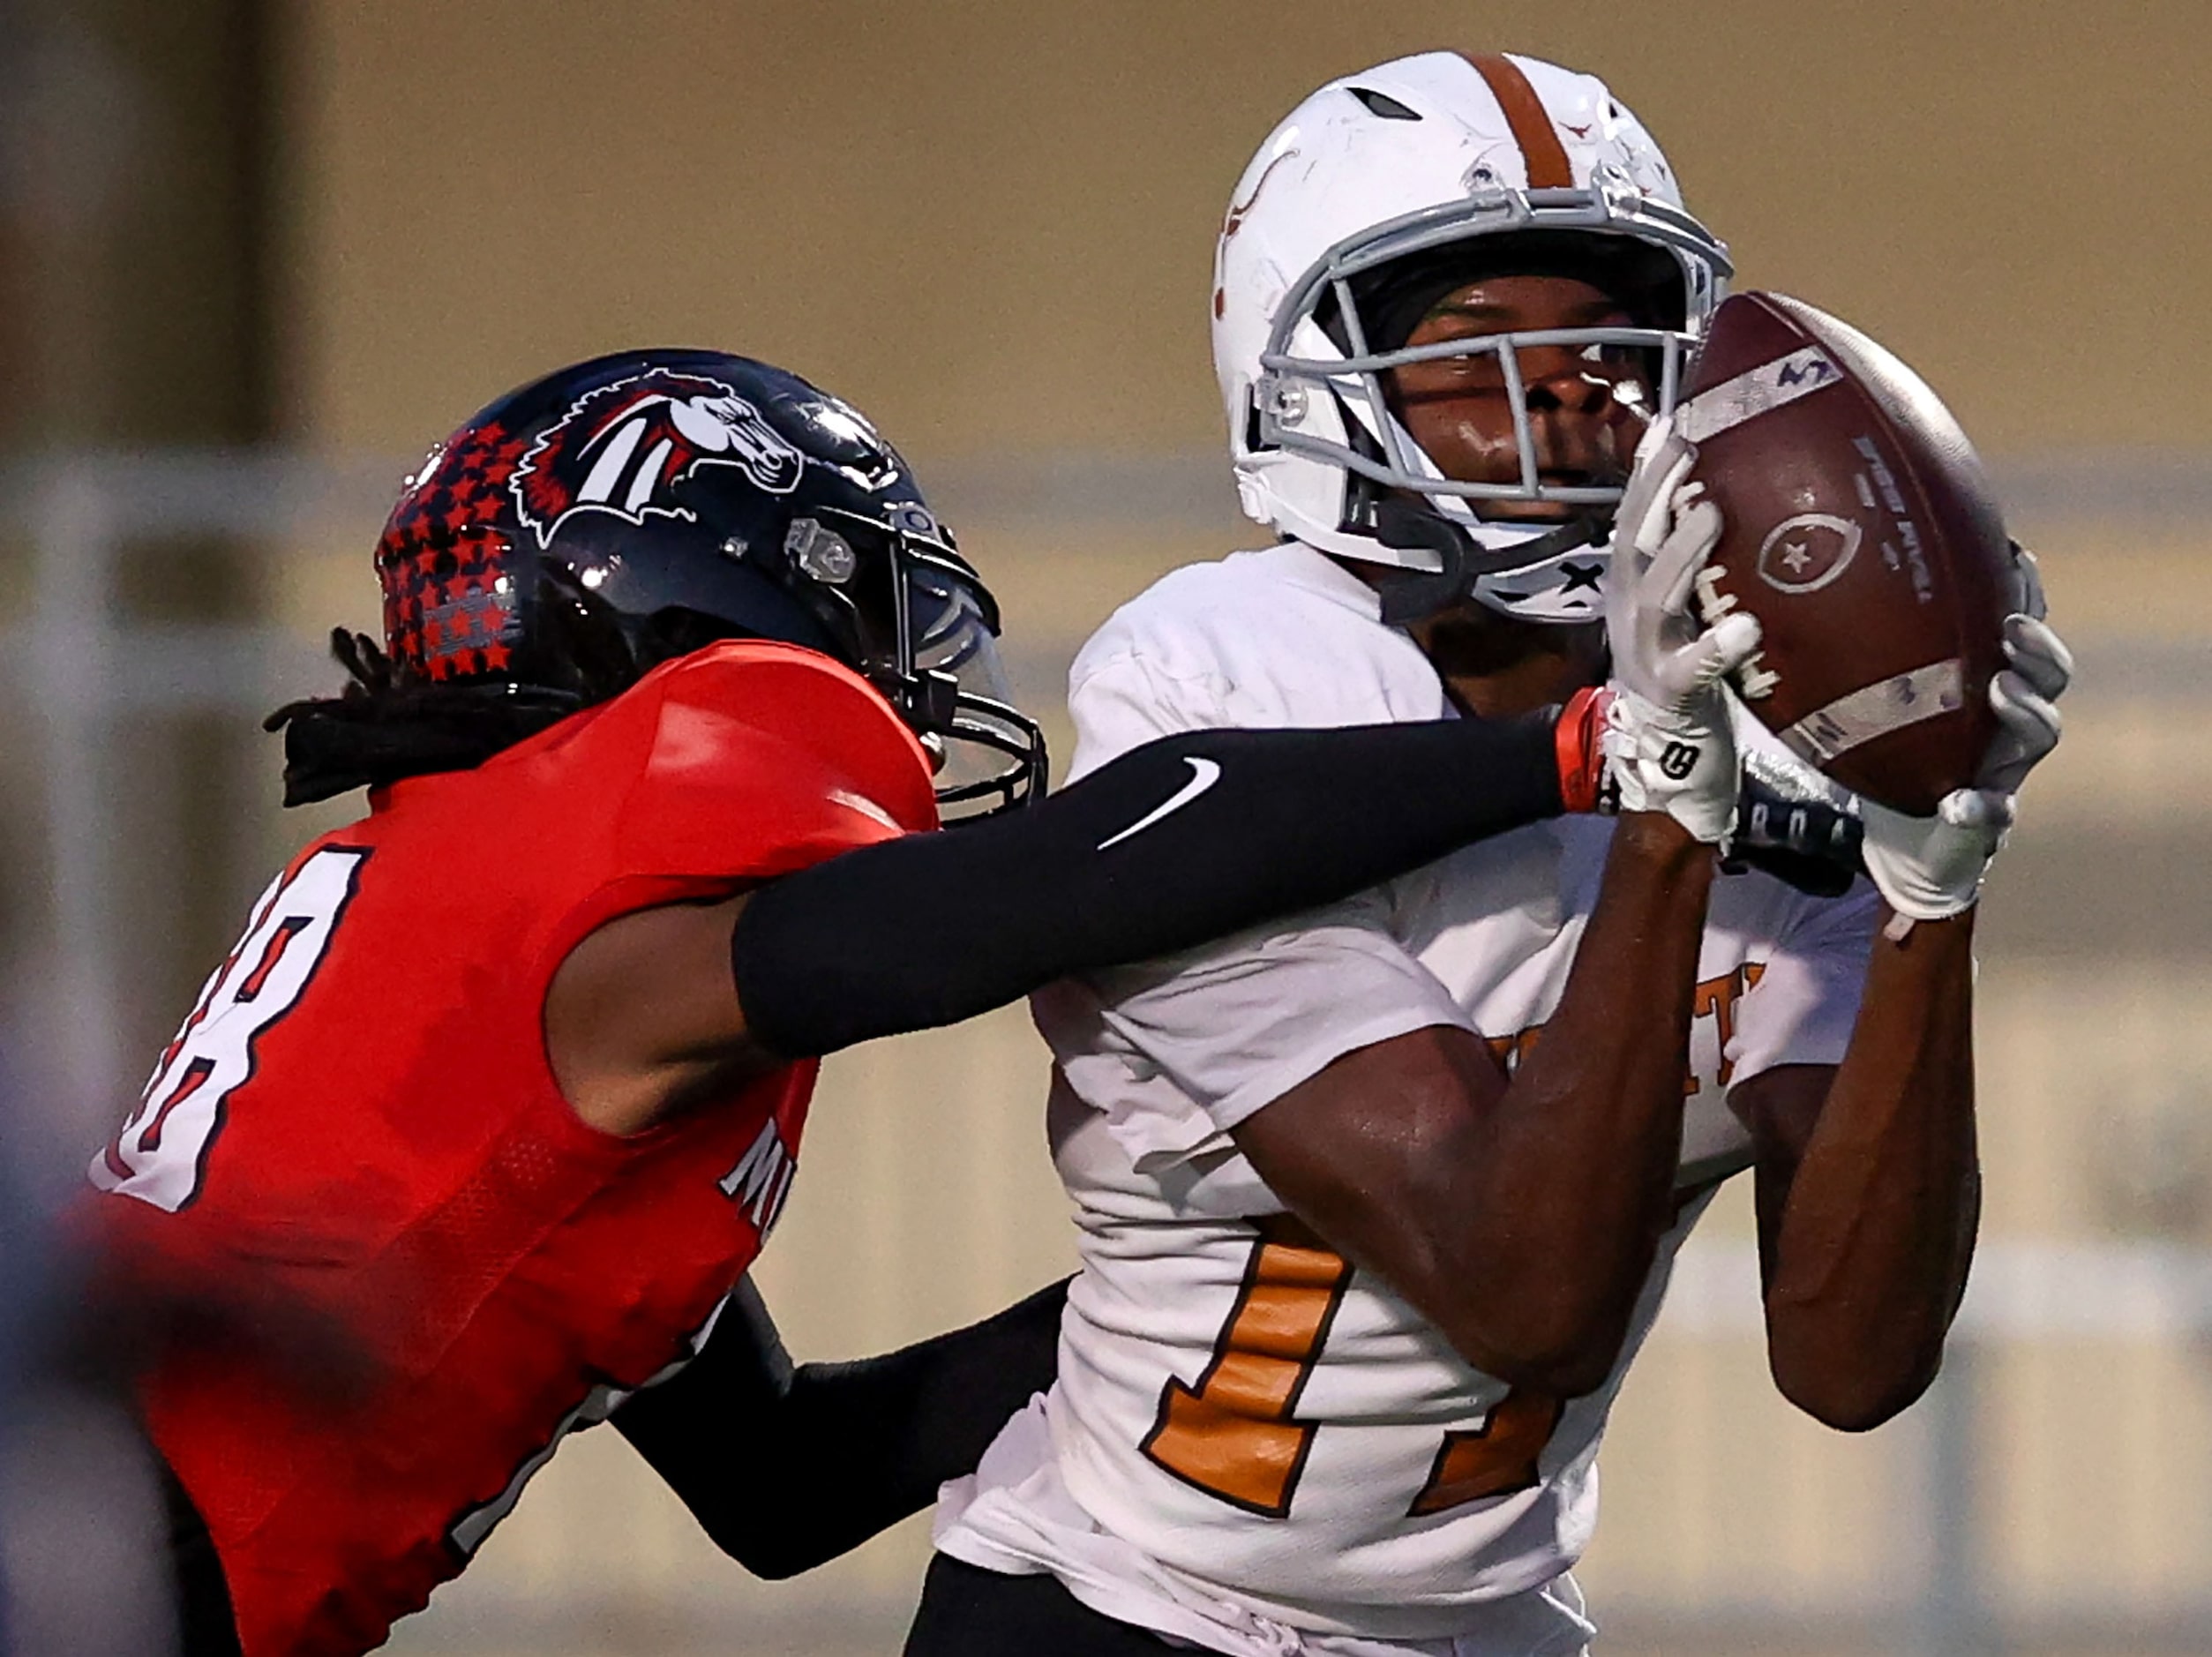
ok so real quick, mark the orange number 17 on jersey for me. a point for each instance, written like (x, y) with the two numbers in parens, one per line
(1235, 1433)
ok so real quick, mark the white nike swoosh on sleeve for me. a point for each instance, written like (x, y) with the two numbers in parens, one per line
(1203, 774)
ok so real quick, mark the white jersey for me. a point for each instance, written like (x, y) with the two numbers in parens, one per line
(1251, 1446)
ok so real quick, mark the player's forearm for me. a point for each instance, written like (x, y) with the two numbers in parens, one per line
(787, 1468)
(1576, 1180)
(1869, 1255)
(1186, 839)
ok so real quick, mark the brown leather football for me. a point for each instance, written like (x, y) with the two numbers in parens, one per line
(1861, 531)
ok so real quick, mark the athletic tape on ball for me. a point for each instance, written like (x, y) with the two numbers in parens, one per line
(1889, 705)
(1758, 390)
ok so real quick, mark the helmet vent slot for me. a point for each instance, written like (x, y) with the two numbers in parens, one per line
(1382, 104)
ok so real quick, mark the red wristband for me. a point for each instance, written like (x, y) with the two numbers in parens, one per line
(1578, 738)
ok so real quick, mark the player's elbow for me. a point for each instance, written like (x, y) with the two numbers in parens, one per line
(1559, 1376)
(773, 1558)
(1853, 1396)
(772, 1543)
(776, 1567)
(1557, 1331)
(1565, 1356)
(1847, 1410)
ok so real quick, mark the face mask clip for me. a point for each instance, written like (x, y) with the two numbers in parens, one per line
(933, 699)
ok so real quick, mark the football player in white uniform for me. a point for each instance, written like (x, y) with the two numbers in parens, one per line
(1364, 1260)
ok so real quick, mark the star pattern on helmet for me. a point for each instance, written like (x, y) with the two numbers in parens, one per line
(444, 556)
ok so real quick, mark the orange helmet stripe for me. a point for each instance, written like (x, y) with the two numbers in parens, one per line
(1540, 148)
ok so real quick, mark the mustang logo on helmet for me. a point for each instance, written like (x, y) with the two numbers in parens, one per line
(628, 447)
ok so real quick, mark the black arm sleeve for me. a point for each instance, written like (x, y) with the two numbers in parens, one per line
(1183, 840)
(786, 1468)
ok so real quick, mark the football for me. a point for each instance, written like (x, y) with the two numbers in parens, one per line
(1861, 531)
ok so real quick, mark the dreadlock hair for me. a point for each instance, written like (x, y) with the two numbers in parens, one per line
(380, 728)
(386, 726)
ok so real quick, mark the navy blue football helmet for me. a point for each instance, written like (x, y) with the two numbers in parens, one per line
(631, 509)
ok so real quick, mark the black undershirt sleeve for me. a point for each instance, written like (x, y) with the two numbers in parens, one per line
(1180, 840)
(787, 1467)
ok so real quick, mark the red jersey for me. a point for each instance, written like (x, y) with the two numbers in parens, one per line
(361, 1104)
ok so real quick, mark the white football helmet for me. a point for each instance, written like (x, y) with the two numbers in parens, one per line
(1423, 165)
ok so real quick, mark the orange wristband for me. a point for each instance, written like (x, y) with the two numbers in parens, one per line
(1579, 740)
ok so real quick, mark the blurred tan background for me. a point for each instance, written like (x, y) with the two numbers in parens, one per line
(992, 224)
(255, 255)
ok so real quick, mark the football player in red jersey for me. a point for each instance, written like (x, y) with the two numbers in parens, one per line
(506, 1079)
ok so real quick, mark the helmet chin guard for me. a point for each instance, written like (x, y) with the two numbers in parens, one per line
(1554, 574)
(1398, 171)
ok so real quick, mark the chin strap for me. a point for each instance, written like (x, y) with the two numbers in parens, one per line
(1408, 596)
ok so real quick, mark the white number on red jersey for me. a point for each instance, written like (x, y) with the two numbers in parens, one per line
(160, 1154)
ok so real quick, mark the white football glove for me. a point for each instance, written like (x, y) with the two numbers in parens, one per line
(1930, 868)
(1668, 741)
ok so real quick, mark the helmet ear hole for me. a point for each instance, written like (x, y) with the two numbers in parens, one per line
(1382, 104)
